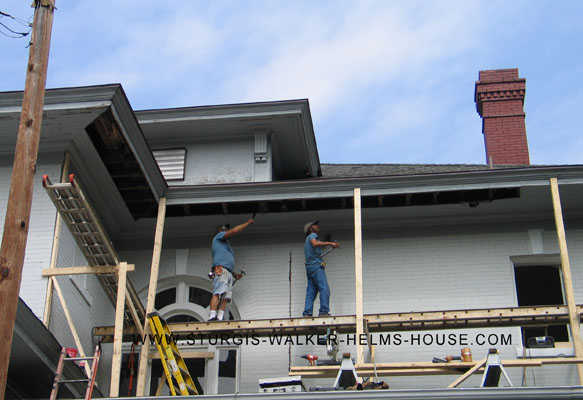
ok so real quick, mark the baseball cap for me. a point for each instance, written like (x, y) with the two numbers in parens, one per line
(308, 224)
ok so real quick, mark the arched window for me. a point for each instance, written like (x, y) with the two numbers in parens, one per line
(186, 299)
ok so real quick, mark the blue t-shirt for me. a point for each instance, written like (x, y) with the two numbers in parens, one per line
(313, 254)
(222, 252)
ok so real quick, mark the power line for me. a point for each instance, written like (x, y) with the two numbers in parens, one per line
(11, 31)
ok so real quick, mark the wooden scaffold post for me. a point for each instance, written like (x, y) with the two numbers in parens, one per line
(143, 364)
(118, 335)
(574, 317)
(358, 278)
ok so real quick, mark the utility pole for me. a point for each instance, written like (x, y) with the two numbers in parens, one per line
(22, 181)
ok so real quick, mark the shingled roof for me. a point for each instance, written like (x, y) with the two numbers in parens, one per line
(361, 170)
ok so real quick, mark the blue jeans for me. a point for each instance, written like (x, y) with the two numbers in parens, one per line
(317, 282)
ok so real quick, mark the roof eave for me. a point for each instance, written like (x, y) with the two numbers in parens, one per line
(377, 185)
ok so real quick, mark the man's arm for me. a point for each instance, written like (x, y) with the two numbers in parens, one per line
(237, 229)
(316, 243)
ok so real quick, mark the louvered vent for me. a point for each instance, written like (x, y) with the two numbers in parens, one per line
(171, 163)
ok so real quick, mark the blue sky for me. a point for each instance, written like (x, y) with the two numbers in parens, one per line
(388, 81)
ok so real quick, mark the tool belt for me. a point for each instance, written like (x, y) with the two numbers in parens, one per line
(322, 264)
(217, 270)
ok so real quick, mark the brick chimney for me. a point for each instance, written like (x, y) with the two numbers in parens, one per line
(499, 98)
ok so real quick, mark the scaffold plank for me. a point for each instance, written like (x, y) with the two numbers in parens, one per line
(456, 319)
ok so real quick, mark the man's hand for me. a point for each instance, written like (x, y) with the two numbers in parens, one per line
(336, 245)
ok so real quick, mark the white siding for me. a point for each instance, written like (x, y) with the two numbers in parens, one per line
(422, 270)
(225, 162)
(40, 234)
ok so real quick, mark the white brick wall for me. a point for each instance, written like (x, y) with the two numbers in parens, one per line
(40, 234)
(414, 272)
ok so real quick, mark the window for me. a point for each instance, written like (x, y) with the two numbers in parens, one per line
(199, 296)
(165, 298)
(540, 285)
(179, 300)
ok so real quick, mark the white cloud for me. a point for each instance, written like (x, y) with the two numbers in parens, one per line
(379, 75)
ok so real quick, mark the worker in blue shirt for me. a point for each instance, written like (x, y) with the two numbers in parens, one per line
(223, 268)
(317, 282)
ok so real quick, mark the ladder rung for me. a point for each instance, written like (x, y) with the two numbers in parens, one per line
(184, 372)
(191, 389)
(74, 380)
(78, 358)
(74, 210)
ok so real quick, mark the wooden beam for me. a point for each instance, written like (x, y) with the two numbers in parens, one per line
(70, 322)
(16, 222)
(423, 368)
(118, 335)
(55, 249)
(394, 322)
(574, 321)
(105, 269)
(186, 354)
(358, 277)
(465, 376)
(152, 287)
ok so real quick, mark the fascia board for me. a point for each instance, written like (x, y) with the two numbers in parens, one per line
(64, 95)
(310, 140)
(132, 133)
(99, 97)
(229, 111)
(63, 99)
(327, 188)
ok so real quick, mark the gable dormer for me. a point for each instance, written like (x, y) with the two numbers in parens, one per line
(238, 143)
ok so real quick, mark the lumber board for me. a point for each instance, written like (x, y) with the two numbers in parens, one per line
(574, 322)
(359, 303)
(423, 368)
(150, 302)
(104, 269)
(390, 322)
(118, 335)
(186, 354)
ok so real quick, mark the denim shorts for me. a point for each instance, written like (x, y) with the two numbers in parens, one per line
(223, 285)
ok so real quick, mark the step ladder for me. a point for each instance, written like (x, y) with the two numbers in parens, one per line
(177, 375)
(493, 369)
(347, 375)
(90, 379)
(90, 236)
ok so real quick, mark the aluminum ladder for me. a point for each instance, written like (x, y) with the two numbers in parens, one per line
(90, 379)
(90, 236)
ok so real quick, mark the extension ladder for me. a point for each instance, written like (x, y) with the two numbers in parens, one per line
(173, 363)
(92, 372)
(90, 235)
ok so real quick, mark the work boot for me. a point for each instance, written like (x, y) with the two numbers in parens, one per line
(324, 314)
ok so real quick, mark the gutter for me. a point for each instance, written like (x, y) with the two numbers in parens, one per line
(376, 185)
